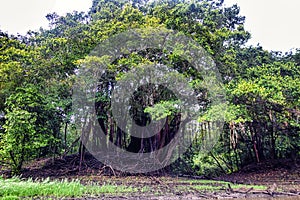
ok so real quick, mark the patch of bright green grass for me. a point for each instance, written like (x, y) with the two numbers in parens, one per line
(14, 187)
(233, 186)
(207, 187)
(212, 185)
(256, 187)
(204, 181)
(145, 189)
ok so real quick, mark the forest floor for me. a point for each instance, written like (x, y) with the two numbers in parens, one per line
(279, 179)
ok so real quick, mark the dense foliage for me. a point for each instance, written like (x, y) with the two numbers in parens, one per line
(37, 73)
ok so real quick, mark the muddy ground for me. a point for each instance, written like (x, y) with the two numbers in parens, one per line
(280, 178)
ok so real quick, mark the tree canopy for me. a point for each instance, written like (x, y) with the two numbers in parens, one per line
(38, 72)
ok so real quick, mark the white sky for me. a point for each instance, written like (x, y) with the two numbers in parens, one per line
(19, 16)
(275, 24)
(272, 23)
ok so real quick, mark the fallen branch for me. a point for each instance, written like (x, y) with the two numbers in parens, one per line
(203, 195)
(110, 167)
(286, 193)
(68, 149)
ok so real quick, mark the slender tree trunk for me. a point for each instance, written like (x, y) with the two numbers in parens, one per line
(272, 133)
(254, 142)
(65, 135)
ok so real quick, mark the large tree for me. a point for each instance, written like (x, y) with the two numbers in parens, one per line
(262, 86)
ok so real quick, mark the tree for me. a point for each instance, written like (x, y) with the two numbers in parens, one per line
(270, 97)
(27, 128)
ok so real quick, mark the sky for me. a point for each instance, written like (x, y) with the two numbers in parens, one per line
(19, 16)
(274, 24)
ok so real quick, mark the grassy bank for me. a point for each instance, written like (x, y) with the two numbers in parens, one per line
(14, 188)
(101, 186)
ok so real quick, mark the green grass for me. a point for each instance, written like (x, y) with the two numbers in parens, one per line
(233, 186)
(212, 185)
(256, 187)
(207, 187)
(202, 181)
(14, 188)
